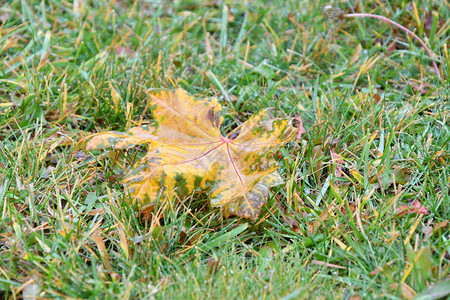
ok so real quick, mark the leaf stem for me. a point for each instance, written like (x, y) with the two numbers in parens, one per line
(422, 43)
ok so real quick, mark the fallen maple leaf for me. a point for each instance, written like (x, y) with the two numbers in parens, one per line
(188, 153)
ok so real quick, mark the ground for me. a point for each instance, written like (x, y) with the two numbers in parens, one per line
(365, 206)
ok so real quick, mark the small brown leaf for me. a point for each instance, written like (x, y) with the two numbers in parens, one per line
(292, 223)
(407, 292)
(432, 229)
(213, 265)
(375, 271)
(376, 98)
(301, 130)
(324, 215)
(408, 209)
(337, 161)
(230, 17)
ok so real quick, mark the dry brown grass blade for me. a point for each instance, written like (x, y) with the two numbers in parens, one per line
(98, 239)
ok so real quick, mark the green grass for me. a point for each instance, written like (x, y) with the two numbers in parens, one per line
(67, 227)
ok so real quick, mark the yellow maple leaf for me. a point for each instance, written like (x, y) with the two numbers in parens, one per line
(187, 153)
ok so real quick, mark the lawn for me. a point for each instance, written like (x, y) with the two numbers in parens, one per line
(364, 209)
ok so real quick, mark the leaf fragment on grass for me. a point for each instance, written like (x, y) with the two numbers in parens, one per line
(188, 153)
(417, 208)
(337, 161)
(406, 291)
